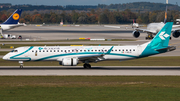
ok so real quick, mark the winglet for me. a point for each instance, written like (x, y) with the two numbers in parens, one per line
(109, 51)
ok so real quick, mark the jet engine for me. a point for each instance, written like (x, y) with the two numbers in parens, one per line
(176, 34)
(69, 62)
(136, 34)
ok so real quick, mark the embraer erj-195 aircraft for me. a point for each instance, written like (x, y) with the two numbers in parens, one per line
(71, 55)
(12, 21)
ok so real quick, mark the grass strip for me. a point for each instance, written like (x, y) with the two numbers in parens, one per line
(90, 88)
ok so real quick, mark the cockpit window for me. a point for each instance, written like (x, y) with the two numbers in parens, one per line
(14, 51)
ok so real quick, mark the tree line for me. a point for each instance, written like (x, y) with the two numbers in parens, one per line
(135, 7)
(94, 16)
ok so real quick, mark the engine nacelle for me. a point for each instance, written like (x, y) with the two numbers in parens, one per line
(176, 34)
(69, 62)
(136, 34)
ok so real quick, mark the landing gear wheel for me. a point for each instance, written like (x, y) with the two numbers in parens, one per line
(21, 66)
(87, 66)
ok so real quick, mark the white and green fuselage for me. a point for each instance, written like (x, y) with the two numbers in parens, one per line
(70, 55)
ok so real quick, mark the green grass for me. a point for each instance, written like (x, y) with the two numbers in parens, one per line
(90, 88)
(3, 52)
(148, 61)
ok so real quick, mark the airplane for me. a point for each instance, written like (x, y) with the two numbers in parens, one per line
(136, 25)
(154, 28)
(12, 21)
(71, 55)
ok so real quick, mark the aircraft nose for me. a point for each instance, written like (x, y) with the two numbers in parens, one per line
(5, 57)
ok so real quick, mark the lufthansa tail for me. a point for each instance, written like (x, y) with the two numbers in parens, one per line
(14, 18)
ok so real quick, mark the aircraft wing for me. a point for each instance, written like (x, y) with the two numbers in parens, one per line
(175, 29)
(176, 26)
(92, 58)
(112, 26)
(145, 30)
(123, 27)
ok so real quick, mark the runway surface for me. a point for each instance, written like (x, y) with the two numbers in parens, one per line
(95, 71)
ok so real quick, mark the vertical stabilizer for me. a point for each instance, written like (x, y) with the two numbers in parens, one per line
(14, 18)
(159, 42)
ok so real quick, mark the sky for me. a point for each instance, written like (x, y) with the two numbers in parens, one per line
(81, 2)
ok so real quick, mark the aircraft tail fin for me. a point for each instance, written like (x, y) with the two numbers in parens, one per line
(14, 18)
(159, 44)
(161, 40)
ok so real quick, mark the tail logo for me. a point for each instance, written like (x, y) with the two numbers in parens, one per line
(15, 16)
(163, 36)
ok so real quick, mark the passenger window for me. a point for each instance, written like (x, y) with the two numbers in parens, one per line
(57, 50)
(115, 50)
(54, 50)
(84, 50)
(81, 50)
(39, 51)
(72, 50)
(123, 50)
(92, 50)
(50, 50)
(32, 50)
(112, 50)
(68, 50)
(126, 49)
(133, 49)
(43, 51)
(61, 50)
(95, 50)
(119, 50)
(130, 50)
(47, 50)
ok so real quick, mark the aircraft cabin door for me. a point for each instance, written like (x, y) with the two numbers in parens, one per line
(36, 53)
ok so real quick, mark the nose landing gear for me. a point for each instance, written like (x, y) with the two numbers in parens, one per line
(87, 66)
(21, 64)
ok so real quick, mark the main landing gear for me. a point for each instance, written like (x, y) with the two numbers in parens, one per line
(150, 36)
(21, 64)
(87, 66)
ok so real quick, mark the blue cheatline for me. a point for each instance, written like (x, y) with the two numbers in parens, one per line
(15, 56)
